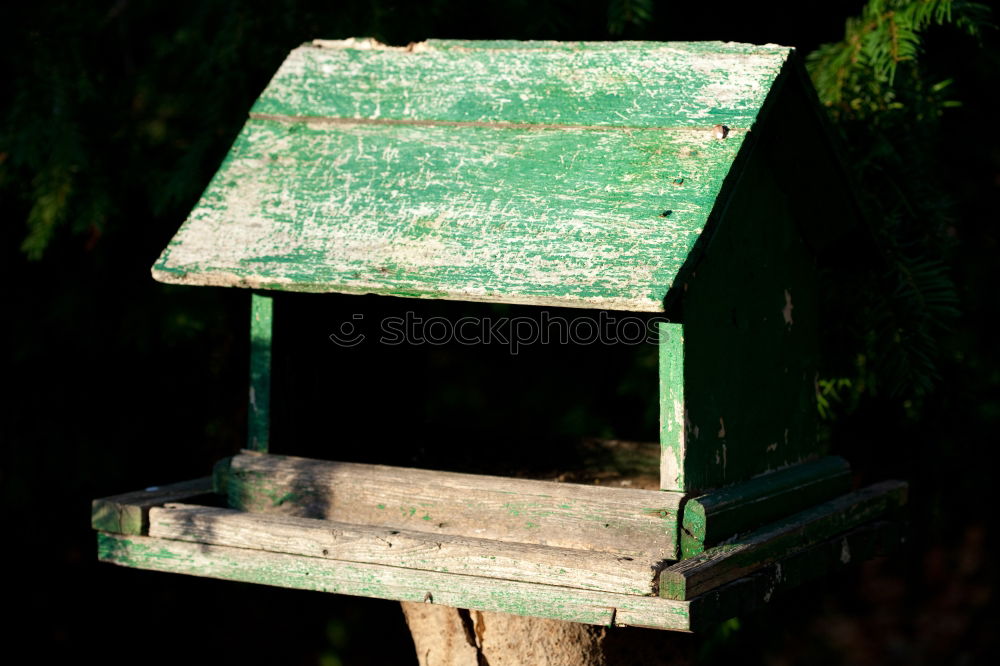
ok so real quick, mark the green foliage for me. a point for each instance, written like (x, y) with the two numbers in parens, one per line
(831, 392)
(857, 75)
(888, 110)
(94, 119)
(108, 138)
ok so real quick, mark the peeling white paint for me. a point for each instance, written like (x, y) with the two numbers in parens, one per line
(324, 209)
(845, 552)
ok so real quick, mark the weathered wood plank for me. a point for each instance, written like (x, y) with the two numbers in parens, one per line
(625, 521)
(129, 513)
(585, 218)
(721, 514)
(384, 582)
(723, 564)
(259, 410)
(774, 580)
(626, 84)
(673, 441)
(462, 591)
(405, 548)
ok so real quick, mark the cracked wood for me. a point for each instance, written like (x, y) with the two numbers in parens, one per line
(514, 172)
(405, 548)
(625, 521)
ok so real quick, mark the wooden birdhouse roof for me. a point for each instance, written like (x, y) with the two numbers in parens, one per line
(573, 174)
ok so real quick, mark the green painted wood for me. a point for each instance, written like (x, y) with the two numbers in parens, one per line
(772, 582)
(588, 187)
(750, 309)
(672, 416)
(719, 515)
(723, 564)
(624, 84)
(129, 513)
(463, 591)
(259, 410)
(552, 217)
(385, 582)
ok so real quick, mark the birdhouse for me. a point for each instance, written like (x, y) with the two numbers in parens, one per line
(691, 182)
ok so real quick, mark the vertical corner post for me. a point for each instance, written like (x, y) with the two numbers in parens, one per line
(259, 409)
(672, 409)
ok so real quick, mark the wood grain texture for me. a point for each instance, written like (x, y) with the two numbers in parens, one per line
(768, 584)
(442, 636)
(574, 175)
(406, 548)
(551, 217)
(723, 564)
(625, 521)
(461, 591)
(719, 515)
(128, 513)
(609, 84)
(384, 582)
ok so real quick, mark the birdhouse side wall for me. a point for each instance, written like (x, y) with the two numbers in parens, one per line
(750, 343)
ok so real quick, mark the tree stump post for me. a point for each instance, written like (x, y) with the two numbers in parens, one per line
(445, 636)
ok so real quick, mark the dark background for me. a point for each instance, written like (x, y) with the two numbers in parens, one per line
(115, 116)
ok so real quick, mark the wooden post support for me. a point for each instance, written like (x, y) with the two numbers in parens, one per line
(446, 636)
(259, 410)
(671, 385)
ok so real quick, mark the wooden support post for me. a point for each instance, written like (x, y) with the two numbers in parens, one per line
(671, 346)
(446, 636)
(259, 411)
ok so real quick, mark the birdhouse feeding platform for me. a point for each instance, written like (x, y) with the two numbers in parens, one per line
(690, 179)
